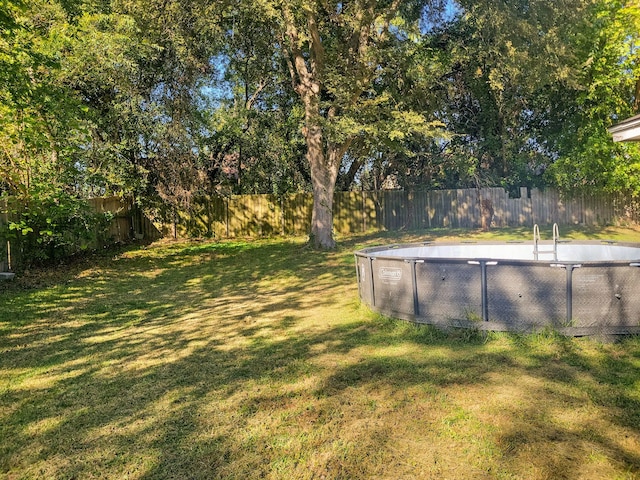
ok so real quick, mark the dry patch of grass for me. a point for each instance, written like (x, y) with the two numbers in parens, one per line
(255, 359)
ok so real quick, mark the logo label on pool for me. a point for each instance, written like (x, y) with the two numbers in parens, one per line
(390, 274)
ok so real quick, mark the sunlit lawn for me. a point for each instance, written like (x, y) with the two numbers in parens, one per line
(243, 359)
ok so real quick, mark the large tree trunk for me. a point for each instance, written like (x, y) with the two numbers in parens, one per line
(324, 172)
(322, 216)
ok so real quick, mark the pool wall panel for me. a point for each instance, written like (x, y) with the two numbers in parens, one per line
(365, 284)
(449, 291)
(606, 296)
(526, 296)
(393, 286)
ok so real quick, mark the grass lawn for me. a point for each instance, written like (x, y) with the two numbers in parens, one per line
(243, 359)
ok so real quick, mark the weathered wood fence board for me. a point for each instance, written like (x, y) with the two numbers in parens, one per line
(296, 211)
(121, 225)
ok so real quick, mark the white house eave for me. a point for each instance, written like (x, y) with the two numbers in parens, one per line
(627, 131)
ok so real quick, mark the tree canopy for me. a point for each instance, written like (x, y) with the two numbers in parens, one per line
(170, 100)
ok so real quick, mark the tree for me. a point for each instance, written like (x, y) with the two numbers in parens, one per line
(254, 116)
(71, 109)
(335, 53)
(45, 125)
(532, 87)
(607, 69)
(505, 60)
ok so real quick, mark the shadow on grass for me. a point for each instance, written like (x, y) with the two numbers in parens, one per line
(238, 360)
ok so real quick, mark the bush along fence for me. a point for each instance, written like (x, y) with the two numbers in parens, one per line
(266, 215)
(262, 215)
(38, 231)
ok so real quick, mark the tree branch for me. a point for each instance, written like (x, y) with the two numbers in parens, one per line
(393, 9)
(292, 70)
(349, 177)
(316, 47)
(261, 86)
(306, 84)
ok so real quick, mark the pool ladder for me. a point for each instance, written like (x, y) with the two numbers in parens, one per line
(536, 240)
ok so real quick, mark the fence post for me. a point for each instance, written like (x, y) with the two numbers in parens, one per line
(282, 217)
(5, 247)
(175, 223)
(226, 215)
(364, 212)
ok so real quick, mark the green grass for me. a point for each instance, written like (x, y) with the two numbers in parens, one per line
(255, 359)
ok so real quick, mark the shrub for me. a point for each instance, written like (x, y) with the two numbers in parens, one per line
(48, 226)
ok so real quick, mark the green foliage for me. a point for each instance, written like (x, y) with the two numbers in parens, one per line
(255, 140)
(167, 100)
(609, 62)
(58, 55)
(494, 83)
(52, 225)
(531, 87)
(86, 110)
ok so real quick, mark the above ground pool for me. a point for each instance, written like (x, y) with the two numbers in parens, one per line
(575, 287)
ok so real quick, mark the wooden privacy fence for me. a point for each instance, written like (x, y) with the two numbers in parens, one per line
(464, 209)
(263, 215)
(260, 215)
